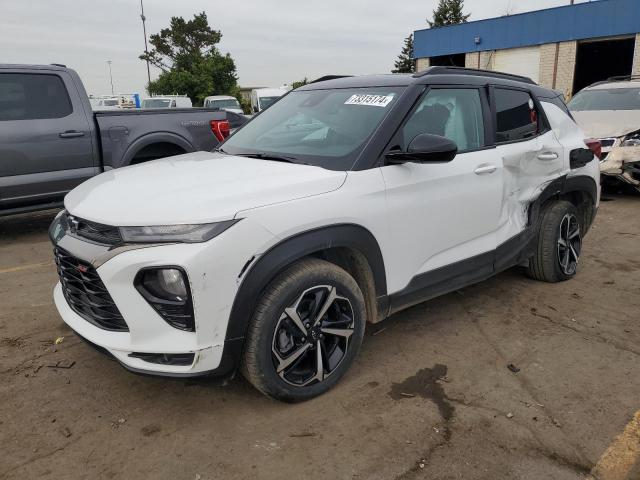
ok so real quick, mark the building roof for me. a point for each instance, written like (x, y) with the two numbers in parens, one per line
(602, 18)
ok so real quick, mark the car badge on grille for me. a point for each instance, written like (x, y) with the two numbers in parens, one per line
(82, 268)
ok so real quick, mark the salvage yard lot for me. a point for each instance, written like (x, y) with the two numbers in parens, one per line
(430, 396)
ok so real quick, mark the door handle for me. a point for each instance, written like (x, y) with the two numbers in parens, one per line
(71, 134)
(547, 156)
(485, 169)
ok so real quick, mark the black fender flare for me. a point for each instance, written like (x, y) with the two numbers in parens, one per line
(286, 252)
(150, 139)
(582, 183)
(562, 186)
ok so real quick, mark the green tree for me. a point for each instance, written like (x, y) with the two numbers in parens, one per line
(190, 61)
(448, 12)
(405, 63)
(299, 83)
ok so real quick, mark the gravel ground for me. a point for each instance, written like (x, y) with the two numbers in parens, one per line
(430, 397)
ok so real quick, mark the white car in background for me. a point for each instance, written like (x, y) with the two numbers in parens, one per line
(167, 101)
(610, 111)
(224, 102)
(262, 98)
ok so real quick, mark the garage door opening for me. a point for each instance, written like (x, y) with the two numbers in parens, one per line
(457, 60)
(518, 61)
(600, 60)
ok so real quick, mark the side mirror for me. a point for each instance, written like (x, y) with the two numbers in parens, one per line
(426, 148)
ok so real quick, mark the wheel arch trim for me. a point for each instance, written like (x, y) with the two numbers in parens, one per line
(562, 186)
(294, 248)
(153, 138)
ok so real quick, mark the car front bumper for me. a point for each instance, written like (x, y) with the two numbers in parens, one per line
(148, 340)
(623, 163)
(216, 360)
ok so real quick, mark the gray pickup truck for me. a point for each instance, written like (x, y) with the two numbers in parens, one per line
(51, 140)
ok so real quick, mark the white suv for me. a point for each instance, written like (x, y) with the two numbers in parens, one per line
(346, 201)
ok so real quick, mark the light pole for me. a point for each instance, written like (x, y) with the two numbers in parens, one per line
(144, 30)
(110, 76)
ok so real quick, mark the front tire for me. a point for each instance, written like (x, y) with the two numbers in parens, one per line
(559, 243)
(305, 332)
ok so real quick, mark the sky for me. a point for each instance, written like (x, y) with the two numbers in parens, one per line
(273, 42)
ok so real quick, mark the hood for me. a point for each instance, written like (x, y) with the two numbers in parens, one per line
(608, 123)
(197, 187)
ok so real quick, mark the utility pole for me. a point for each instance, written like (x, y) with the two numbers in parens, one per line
(110, 76)
(144, 30)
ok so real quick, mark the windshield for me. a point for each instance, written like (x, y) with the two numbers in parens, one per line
(230, 103)
(609, 99)
(156, 103)
(266, 102)
(327, 128)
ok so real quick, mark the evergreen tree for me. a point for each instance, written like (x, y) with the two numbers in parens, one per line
(405, 63)
(190, 61)
(448, 12)
(299, 83)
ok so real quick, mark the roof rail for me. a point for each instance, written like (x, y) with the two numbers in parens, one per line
(438, 70)
(59, 65)
(329, 77)
(619, 78)
(623, 78)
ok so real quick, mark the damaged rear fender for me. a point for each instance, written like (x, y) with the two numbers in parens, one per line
(581, 190)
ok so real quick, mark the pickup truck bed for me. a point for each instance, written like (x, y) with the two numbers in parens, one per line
(51, 140)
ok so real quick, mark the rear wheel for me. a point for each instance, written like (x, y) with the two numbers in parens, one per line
(305, 332)
(559, 243)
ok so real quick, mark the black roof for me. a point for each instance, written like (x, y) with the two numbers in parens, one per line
(447, 75)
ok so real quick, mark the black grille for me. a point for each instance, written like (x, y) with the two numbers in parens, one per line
(86, 294)
(96, 232)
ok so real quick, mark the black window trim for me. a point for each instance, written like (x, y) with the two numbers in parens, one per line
(46, 73)
(544, 126)
(486, 117)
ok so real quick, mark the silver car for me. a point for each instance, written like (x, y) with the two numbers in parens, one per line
(610, 111)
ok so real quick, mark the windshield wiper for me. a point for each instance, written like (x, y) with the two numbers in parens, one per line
(271, 156)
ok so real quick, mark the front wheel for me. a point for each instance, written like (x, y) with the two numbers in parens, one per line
(305, 332)
(559, 243)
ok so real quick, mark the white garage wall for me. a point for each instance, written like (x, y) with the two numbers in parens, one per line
(519, 61)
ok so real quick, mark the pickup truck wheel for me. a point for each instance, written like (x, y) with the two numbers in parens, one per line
(559, 244)
(305, 332)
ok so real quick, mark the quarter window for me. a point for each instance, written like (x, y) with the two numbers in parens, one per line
(33, 96)
(516, 115)
(455, 113)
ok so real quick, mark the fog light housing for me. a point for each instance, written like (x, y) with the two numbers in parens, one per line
(167, 291)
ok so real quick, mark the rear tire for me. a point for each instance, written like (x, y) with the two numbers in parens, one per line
(305, 331)
(559, 243)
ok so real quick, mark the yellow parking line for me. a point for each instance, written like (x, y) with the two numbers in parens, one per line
(25, 267)
(619, 460)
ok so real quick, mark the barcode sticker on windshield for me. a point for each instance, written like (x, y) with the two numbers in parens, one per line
(371, 100)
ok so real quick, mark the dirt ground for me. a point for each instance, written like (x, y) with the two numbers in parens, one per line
(430, 397)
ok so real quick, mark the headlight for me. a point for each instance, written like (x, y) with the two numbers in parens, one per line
(631, 140)
(175, 233)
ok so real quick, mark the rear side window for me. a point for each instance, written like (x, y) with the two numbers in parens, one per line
(33, 96)
(516, 115)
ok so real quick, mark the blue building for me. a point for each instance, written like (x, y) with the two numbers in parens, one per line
(566, 48)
